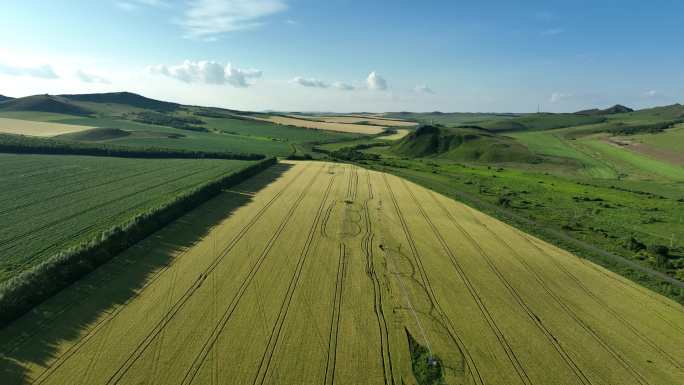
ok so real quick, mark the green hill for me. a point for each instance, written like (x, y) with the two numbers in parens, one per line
(616, 109)
(44, 103)
(541, 121)
(125, 98)
(4, 98)
(462, 144)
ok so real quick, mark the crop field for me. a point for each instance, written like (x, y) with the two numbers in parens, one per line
(339, 127)
(352, 119)
(26, 127)
(318, 272)
(51, 202)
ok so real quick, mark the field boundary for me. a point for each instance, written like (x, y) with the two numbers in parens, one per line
(20, 294)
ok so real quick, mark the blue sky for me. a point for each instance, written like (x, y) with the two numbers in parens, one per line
(344, 55)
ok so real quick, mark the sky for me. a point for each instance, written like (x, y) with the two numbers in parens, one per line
(348, 55)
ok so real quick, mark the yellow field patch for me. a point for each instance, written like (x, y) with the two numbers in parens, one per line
(313, 273)
(351, 119)
(341, 127)
(31, 128)
(399, 135)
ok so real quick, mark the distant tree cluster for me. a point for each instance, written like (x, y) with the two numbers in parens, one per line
(21, 293)
(17, 144)
(648, 128)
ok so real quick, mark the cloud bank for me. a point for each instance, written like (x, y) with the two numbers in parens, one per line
(207, 72)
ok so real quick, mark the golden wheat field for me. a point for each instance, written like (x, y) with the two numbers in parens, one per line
(316, 273)
(351, 119)
(32, 128)
(341, 127)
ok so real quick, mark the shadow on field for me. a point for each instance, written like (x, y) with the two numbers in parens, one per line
(34, 339)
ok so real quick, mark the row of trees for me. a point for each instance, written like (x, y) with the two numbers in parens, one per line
(27, 145)
(26, 290)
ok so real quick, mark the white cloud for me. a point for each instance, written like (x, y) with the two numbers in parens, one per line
(343, 86)
(552, 31)
(309, 82)
(90, 78)
(422, 88)
(651, 93)
(558, 97)
(44, 71)
(207, 72)
(376, 82)
(134, 5)
(208, 19)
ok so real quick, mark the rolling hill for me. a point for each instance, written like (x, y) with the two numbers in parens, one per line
(462, 144)
(44, 103)
(4, 98)
(126, 99)
(616, 109)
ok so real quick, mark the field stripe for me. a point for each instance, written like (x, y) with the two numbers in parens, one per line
(367, 246)
(84, 339)
(118, 375)
(274, 338)
(476, 376)
(331, 360)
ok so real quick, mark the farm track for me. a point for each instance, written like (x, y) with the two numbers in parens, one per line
(367, 247)
(273, 339)
(472, 367)
(522, 304)
(300, 285)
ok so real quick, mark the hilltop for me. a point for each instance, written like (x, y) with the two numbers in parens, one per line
(124, 98)
(463, 144)
(616, 109)
(4, 98)
(44, 103)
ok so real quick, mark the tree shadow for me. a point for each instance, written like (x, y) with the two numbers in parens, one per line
(36, 337)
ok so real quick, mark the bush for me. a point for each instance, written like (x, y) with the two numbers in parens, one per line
(28, 289)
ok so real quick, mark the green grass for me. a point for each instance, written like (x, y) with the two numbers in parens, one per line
(553, 145)
(600, 212)
(542, 121)
(635, 162)
(672, 139)
(50, 202)
(450, 119)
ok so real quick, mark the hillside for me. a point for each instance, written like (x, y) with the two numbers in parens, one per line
(461, 144)
(541, 121)
(616, 109)
(44, 103)
(4, 98)
(125, 98)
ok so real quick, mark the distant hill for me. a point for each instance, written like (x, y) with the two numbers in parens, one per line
(44, 103)
(616, 109)
(462, 144)
(541, 121)
(125, 98)
(4, 98)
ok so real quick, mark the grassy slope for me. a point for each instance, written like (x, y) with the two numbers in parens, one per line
(533, 122)
(49, 203)
(337, 288)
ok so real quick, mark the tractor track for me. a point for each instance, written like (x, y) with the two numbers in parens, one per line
(331, 361)
(563, 354)
(274, 338)
(470, 363)
(367, 247)
(145, 343)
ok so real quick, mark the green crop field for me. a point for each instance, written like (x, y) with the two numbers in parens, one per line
(327, 273)
(49, 203)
